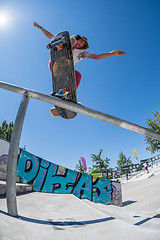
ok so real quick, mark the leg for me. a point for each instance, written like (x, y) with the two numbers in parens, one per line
(78, 78)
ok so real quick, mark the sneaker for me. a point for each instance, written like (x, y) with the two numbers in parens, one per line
(54, 112)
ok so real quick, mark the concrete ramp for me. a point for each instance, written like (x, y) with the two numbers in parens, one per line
(51, 178)
(66, 217)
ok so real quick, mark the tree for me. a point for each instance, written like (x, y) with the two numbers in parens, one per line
(154, 125)
(6, 130)
(100, 165)
(123, 161)
(79, 167)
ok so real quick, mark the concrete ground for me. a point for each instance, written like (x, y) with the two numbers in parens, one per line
(65, 217)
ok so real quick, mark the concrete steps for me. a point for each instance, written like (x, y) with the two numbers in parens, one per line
(20, 188)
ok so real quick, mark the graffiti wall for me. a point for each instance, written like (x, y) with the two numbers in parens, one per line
(51, 178)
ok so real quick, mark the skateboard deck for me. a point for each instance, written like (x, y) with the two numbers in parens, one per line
(63, 74)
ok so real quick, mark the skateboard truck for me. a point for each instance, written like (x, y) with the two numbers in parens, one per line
(57, 45)
(62, 93)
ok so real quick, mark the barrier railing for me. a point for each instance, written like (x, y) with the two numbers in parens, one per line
(13, 151)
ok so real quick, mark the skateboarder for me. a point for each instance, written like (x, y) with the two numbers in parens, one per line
(79, 53)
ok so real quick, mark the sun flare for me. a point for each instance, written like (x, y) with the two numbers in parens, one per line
(3, 19)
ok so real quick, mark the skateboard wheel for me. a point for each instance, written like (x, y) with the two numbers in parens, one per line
(48, 46)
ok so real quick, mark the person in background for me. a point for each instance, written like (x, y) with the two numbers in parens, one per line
(127, 175)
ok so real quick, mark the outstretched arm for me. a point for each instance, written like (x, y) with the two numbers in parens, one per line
(105, 55)
(46, 33)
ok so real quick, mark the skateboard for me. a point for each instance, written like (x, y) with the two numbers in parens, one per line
(63, 73)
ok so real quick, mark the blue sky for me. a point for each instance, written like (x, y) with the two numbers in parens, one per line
(125, 86)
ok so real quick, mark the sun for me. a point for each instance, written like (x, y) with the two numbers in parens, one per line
(3, 19)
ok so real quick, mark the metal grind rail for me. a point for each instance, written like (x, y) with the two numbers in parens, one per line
(14, 145)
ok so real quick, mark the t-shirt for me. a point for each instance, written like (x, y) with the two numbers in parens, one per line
(80, 54)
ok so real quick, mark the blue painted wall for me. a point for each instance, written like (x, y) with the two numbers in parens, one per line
(52, 178)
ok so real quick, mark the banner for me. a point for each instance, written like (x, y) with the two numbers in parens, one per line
(84, 164)
(135, 154)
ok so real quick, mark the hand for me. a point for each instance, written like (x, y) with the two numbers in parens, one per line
(118, 52)
(36, 25)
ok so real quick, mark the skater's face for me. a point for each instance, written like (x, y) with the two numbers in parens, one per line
(80, 43)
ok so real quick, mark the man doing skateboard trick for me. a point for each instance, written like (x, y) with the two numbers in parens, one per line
(79, 53)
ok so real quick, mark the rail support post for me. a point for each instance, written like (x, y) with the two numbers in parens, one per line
(13, 155)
